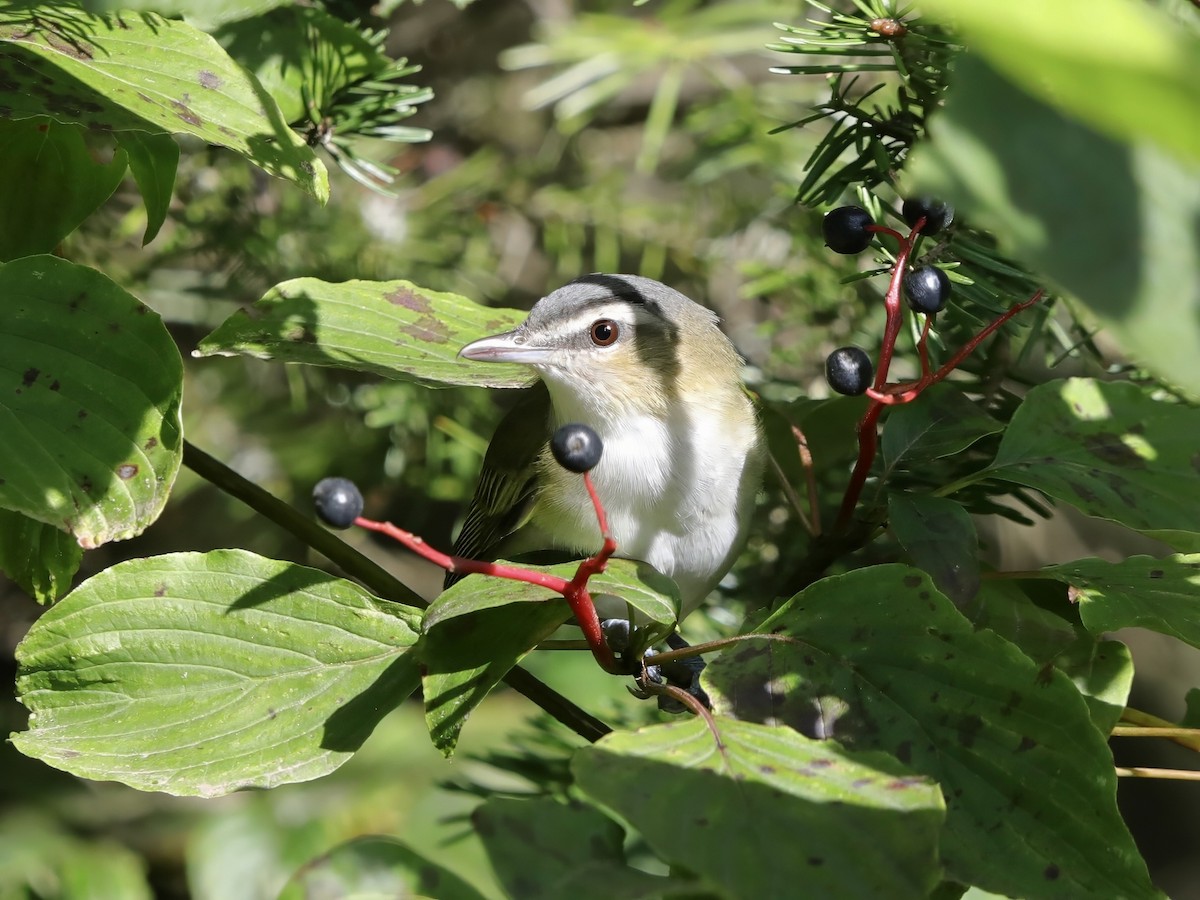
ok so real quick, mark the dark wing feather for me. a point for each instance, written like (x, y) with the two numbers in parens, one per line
(507, 483)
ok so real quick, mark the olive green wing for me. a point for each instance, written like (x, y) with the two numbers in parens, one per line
(507, 485)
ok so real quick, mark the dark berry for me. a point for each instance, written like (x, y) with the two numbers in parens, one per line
(616, 633)
(845, 229)
(937, 215)
(849, 371)
(576, 447)
(338, 502)
(927, 289)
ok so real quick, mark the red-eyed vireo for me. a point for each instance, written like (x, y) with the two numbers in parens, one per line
(650, 371)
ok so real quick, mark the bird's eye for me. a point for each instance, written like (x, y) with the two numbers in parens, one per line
(604, 332)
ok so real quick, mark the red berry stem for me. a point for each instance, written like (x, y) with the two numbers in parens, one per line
(884, 395)
(891, 301)
(575, 591)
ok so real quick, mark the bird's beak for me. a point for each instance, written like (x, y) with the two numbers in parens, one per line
(505, 348)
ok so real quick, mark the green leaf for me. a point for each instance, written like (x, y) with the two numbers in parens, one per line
(38, 557)
(390, 328)
(41, 859)
(466, 656)
(766, 810)
(1003, 606)
(376, 866)
(1139, 592)
(653, 597)
(115, 72)
(941, 422)
(542, 849)
(940, 538)
(153, 159)
(1109, 450)
(1130, 251)
(1124, 68)
(1103, 673)
(49, 184)
(880, 660)
(205, 673)
(480, 627)
(91, 411)
(284, 50)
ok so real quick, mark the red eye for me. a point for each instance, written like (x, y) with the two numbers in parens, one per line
(604, 332)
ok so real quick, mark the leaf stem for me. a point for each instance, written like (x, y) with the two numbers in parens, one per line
(1170, 774)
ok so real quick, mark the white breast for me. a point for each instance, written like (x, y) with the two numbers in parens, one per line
(677, 493)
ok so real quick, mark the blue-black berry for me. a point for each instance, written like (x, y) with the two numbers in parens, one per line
(338, 502)
(845, 229)
(849, 371)
(576, 447)
(937, 214)
(927, 289)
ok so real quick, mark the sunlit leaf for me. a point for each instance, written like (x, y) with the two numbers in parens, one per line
(1141, 591)
(390, 328)
(1110, 450)
(852, 825)
(142, 72)
(205, 673)
(91, 426)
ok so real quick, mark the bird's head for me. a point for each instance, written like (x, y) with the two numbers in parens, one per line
(608, 345)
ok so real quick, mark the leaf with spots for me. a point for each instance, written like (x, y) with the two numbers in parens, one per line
(766, 810)
(393, 329)
(39, 558)
(479, 628)
(1110, 450)
(879, 659)
(1162, 595)
(204, 673)
(90, 385)
(378, 866)
(143, 72)
(543, 849)
(49, 183)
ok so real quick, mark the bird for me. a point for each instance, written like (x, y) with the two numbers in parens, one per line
(650, 371)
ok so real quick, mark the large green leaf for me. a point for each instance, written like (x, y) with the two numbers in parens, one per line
(1111, 222)
(49, 183)
(1110, 450)
(204, 673)
(1129, 71)
(480, 627)
(90, 415)
(764, 812)
(542, 849)
(880, 660)
(1160, 594)
(38, 557)
(390, 328)
(141, 72)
